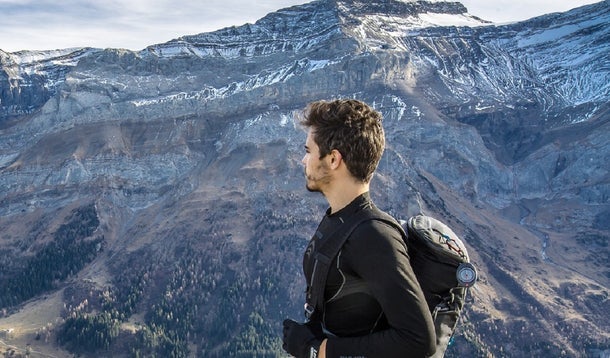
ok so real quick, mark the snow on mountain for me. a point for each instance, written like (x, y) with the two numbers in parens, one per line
(570, 51)
(29, 78)
(545, 59)
(285, 31)
(303, 27)
(20, 66)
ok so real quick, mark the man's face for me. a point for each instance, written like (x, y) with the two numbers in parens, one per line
(317, 173)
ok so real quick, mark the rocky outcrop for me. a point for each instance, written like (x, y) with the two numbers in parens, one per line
(29, 79)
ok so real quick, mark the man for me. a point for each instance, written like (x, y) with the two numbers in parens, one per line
(373, 304)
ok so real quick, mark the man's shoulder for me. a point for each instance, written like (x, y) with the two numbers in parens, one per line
(381, 225)
(377, 228)
(373, 238)
(373, 217)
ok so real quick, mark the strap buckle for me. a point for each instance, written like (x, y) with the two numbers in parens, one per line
(309, 309)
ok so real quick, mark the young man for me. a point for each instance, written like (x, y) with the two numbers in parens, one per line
(373, 304)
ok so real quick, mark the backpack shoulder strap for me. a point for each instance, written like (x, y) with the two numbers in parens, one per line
(329, 248)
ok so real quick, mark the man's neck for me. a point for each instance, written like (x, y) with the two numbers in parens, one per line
(345, 194)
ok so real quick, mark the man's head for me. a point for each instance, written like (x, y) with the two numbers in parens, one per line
(347, 128)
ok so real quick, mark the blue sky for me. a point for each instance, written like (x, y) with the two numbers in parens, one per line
(135, 24)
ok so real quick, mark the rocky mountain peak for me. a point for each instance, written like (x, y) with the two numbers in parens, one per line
(400, 7)
(302, 27)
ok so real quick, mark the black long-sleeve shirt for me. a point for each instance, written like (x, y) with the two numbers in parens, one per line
(374, 304)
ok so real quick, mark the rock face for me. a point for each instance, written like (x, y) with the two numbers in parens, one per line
(28, 79)
(189, 157)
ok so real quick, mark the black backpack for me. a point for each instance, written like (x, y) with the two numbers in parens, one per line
(438, 257)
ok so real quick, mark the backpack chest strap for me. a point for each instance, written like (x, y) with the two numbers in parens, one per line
(326, 252)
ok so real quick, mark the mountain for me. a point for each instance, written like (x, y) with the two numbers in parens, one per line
(152, 202)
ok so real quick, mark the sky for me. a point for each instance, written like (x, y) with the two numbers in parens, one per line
(136, 24)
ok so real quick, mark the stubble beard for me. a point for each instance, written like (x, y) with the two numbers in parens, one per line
(309, 184)
(311, 189)
(312, 184)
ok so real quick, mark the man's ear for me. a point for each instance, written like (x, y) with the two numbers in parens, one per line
(335, 158)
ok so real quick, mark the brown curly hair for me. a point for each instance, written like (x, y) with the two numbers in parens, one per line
(351, 127)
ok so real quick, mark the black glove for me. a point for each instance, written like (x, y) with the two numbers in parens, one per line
(302, 340)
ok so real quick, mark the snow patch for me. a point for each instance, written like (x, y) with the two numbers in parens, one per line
(556, 33)
(435, 19)
(265, 78)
